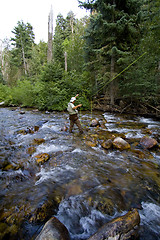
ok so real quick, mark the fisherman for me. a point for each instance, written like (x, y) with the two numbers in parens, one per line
(73, 114)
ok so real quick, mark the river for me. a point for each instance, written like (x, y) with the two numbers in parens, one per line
(83, 185)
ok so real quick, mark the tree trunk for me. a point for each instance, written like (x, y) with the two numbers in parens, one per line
(65, 55)
(50, 36)
(112, 84)
(24, 60)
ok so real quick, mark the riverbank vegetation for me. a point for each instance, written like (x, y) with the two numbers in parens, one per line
(110, 58)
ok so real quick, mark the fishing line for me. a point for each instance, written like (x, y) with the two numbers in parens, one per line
(120, 72)
(115, 78)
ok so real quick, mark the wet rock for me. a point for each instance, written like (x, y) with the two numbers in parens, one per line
(36, 128)
(31, 150)
(102, 204)
(53, 230)
(8, 232)
(107, 144)
(35, 110)
(94, 123)
(91, 143)
(38, 141)
(22, 131)
(43, 211)
(124, 227)
(22, 112)
(64, 128)
(148, 142)
(10, 167)
(73, 188)
(42, 158)
(26, 131)
(120, 143)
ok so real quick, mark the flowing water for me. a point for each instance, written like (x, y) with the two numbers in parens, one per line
(83, 186)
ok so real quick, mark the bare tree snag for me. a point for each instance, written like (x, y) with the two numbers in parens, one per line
(65, 56)
(50, 36)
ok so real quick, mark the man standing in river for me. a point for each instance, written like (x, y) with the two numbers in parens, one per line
(73, 114)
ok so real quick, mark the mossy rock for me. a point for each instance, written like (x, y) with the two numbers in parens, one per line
(38, 141)
(42, 158)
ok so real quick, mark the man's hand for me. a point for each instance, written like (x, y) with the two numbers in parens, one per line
(77, 95)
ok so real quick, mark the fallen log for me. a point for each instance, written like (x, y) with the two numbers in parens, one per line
(120, 228)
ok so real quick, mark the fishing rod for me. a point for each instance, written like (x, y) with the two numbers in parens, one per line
(119, 73)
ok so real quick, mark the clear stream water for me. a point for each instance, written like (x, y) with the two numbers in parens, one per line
(89, 184)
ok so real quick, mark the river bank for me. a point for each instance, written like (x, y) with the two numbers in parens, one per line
(127, 107)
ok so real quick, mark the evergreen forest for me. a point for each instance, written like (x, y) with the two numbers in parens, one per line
(111, 58)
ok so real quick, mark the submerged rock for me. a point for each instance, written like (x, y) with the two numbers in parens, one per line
(38, 141)
(120, 228)
(31, 150)
(120, 143)
(148, 142)
(107, 144)
(42, 157)
(53, 230)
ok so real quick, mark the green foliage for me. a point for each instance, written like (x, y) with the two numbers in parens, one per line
(51, 72)
(55, 95)
(141, 81)
(22, 94)
(74, 47)
(4, 93)
(1, 76)
(38, 58)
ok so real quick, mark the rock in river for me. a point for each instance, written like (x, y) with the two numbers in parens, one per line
(53, 230)
(120, 143)
(148, 142)
(94, 123)
(42, 157)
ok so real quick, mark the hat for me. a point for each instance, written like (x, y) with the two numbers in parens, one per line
(72, 99)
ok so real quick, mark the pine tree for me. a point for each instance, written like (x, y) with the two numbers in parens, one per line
(22, 42)
(112, 34)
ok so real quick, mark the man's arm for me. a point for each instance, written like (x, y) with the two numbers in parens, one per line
(75, 107)
(77, 95)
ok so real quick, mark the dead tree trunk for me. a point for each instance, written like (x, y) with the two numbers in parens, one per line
(24, 59)
(65, 56)
(50, 36)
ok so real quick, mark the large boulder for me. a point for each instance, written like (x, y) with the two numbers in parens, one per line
(53, 230)
(148, 142)
(124, 227)
(120, 143)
